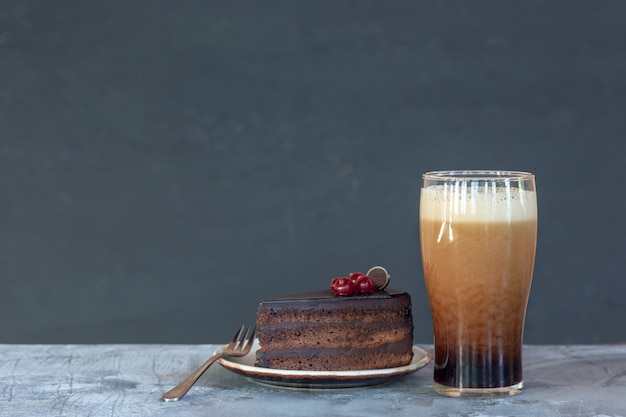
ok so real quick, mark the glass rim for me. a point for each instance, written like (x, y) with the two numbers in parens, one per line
(479, 175)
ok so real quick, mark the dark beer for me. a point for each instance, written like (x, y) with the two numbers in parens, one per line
(478, 254)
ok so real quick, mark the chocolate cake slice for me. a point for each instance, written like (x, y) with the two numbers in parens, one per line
(322, 331)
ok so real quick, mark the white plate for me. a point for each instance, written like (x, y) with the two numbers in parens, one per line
(321, 379)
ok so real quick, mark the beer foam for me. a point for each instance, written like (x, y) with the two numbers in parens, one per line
(471, 202)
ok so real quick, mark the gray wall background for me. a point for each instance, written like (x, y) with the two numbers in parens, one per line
(166, 165)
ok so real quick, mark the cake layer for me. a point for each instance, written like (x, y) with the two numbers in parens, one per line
(332, 335)
(391, 355)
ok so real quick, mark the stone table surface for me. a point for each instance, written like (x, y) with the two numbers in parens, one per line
(127, 380)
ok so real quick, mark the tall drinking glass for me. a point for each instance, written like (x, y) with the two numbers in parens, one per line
(478, 234)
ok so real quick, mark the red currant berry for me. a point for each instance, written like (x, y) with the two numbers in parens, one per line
(365, 285)
(342, 286)
(354, 276)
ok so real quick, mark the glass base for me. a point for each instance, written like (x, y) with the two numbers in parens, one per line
(478, 392)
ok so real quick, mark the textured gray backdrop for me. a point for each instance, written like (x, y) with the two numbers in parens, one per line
(166, 165)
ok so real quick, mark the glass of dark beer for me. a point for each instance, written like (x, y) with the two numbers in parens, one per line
(478, 234)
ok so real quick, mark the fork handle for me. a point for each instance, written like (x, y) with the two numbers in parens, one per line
(181, 389)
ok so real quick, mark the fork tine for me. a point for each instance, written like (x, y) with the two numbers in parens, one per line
(242, 334)
(237, 337)
(249, 338)
(244, 337)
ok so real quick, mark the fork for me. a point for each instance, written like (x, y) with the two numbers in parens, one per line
(239, 345)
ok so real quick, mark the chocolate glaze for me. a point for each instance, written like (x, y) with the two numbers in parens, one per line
(329, 302)
(329, 295)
